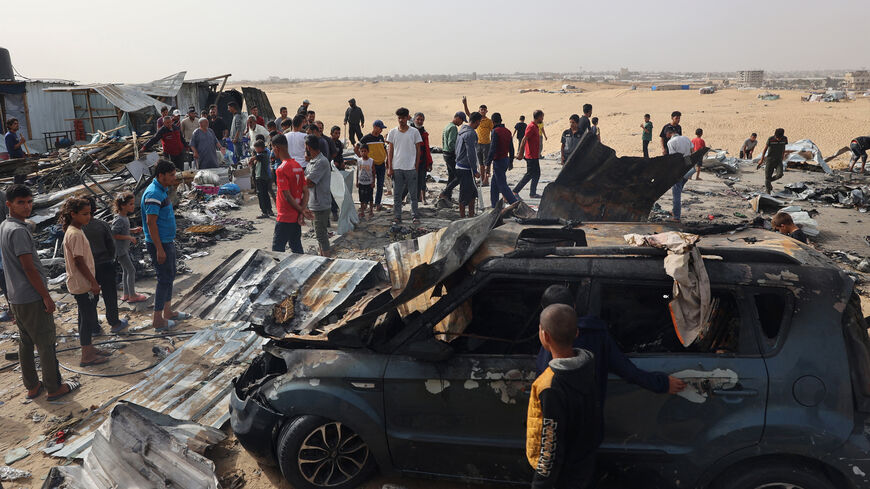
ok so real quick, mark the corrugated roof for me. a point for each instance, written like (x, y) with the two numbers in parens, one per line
(250, 283)
(193, 383)
(125, 97)
(164, 87)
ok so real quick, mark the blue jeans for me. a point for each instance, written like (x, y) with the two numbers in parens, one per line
(165, 274)
(677, 191)
(498, 183)
(380, 173)
(287, 232)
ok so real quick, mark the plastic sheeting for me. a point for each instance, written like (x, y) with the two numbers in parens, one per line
(804, 151)
(341, 185)
(692, 304)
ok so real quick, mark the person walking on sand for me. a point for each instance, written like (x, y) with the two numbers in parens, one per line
(677, 143)
(466, 164)
(501, 157)
(530, 148)
(698, 144)
(124, 205)
(483, 139)
(402, 160)
(859, 147)
(80, 280)
(448, 148)
(160, 228)
(354, 120)
(31, 304)
(520, 129)
(672, 128)
(378, 153)
(646, 135)
(748, 147)
(773, 153)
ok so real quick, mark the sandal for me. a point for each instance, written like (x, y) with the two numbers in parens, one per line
(136, 298)
(71, 385)
(97, 361)
(121, 327)
(36, 392)
(170, 325)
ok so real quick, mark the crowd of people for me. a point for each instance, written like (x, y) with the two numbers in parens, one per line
(292, 159)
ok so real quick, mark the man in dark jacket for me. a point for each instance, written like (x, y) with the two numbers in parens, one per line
(564, 421)
(500, 158)
(859, 147)
(595, 337)
(354, 120)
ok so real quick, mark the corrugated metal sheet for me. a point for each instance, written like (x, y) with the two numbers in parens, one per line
(250, 283)
(49, 111)
(164, 87)
(193, 383)
(125, 97)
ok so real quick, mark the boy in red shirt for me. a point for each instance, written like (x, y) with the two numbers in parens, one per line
(697, 145)
(292, 199)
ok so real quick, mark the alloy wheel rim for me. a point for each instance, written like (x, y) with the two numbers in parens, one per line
(332, 454)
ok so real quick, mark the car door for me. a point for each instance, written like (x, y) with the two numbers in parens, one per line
(675, 437)
(465, 417)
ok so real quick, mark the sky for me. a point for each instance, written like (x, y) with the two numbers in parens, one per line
(112, 41)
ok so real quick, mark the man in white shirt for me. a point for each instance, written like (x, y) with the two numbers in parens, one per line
(402, 159)
(296, 141)
(679, 144)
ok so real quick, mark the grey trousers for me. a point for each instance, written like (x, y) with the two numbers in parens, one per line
(36, 328)
(404, 180)
(321, 222)
(128, 273)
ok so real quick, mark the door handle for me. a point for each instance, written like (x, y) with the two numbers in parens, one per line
(735, 392)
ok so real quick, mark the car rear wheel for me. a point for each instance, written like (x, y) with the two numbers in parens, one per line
(319, 453)
(775, 477)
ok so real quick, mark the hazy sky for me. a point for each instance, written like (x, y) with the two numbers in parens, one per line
(125, 41)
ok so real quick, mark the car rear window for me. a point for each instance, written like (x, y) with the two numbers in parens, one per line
(640, 320)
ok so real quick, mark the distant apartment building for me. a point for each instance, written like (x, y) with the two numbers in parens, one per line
(750, 78)
(858, 80)
(624, 74)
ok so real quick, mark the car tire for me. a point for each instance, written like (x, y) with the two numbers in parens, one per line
(319, 453)
(775, 477)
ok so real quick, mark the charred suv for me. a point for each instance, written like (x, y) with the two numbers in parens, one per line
(425, 369)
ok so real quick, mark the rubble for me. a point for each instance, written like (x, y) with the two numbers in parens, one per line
(10, 474)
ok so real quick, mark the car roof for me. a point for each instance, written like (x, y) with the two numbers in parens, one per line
(757, 245)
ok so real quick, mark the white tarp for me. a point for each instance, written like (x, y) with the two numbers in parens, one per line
(341, 184)
(799, 151)
(164, 87)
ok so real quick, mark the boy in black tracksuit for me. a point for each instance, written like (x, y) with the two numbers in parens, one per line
(564, 422)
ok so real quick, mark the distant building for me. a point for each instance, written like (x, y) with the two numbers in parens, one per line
(624, 74)
(858, 80)
(750, 78)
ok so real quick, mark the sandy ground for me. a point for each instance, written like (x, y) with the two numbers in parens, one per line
(727, 117)
(829, 125)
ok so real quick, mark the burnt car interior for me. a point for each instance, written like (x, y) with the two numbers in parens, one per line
(640, 321)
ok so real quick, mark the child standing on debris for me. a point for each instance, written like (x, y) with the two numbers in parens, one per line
(365, 180)
(698, 144)
(563, 424)
(783, 223)
(259, 163)
(80, 279)
(124, 205)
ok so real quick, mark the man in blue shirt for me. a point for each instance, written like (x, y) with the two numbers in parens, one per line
(14, 142)
(159, 229)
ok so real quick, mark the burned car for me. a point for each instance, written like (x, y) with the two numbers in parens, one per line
(425, 368)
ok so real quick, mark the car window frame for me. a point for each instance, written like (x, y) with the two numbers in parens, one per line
(784, 328)
(746, 327)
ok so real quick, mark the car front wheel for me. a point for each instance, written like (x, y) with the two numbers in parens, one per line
(775, 477)
(319, 453)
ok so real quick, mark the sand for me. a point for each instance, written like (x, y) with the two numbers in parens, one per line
(727, 117)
